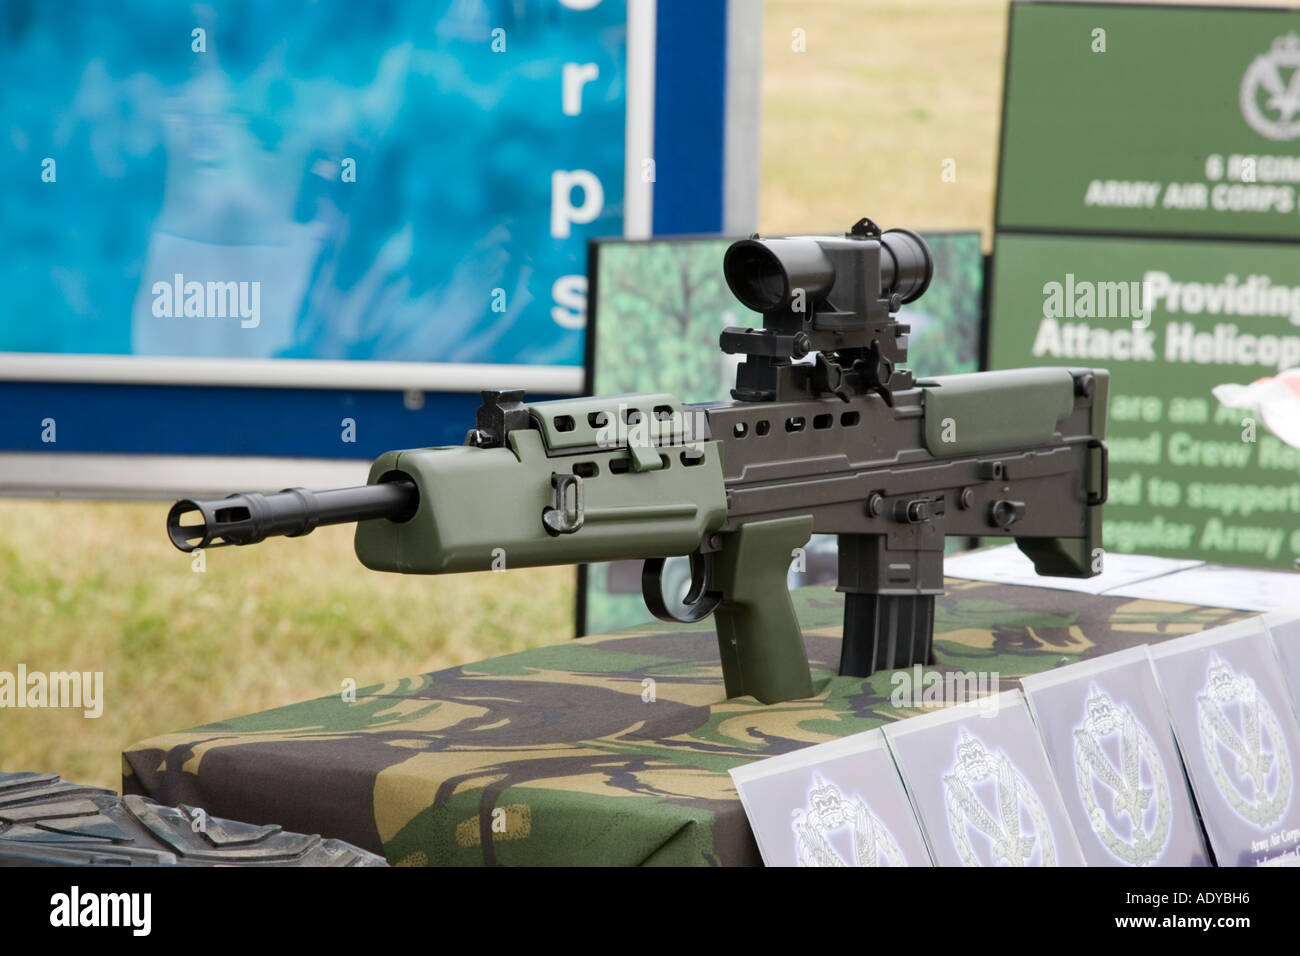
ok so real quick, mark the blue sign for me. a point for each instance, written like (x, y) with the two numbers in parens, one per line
(407, 181)
(316, 229)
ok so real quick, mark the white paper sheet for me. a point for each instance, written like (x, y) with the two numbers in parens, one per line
(1215, 585)
(1008, 565)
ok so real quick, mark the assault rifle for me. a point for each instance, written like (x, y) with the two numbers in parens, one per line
(848, 443)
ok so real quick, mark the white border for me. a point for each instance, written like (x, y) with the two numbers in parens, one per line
(741, 150)
(639, 129)
(288, 373)
(811, 756)
(1237, 630)
(989, 706)
(1273, 622)
(164, 477)
(1080, 669)
(1281, 617)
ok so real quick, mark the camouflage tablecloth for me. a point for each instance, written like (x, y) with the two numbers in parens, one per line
(605, 750)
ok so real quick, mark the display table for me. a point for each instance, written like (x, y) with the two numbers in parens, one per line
(606, 750)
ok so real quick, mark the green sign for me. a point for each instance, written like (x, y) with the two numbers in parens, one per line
(1149, 119)
(1188, 476)
(1149, 180)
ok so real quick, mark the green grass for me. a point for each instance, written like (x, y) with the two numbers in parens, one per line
(861, 122)
(284, 621)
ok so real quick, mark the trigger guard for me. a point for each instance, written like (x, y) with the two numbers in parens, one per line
(652, 592)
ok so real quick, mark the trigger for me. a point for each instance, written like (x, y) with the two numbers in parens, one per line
(700, 600)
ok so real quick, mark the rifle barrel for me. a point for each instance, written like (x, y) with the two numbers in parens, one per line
(252, 517)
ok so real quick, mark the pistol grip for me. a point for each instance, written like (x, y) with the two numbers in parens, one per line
(759, 638)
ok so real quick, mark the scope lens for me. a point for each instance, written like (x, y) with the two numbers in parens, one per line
(755, 275)
(913, 266)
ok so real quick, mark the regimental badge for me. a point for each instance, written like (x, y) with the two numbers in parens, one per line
(1232, 717)
(1270, 90)
(828, 811)
(1139, 783)
(978, 775)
